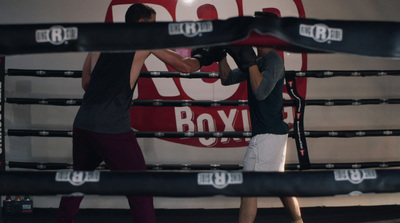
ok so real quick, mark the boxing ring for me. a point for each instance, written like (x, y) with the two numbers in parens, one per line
(307, 179)
(299, 134)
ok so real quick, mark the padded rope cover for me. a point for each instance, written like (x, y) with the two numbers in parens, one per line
(368, 38)
(342, 73)
(315, 134)
(197, 184)
(205, 103)
(162, 74)
(230, 167)
(45, 73)
(60, 133)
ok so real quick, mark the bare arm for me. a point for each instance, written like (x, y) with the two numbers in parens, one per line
(178, 62)
(86, 71)
(90, 62)
(137, 64)
(224, 71)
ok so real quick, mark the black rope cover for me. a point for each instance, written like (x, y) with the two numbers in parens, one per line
(45, 73)
(343, 73)
(339, 36)
(204, 103)
(189, 167)
(298, 32)
(140, 134)
(165, 74)
(200, 184)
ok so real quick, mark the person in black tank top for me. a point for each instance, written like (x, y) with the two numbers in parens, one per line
(102, 125)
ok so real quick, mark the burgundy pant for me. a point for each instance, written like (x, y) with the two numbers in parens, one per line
(120, 152)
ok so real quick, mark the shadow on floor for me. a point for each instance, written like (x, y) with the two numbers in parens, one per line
(359, 214)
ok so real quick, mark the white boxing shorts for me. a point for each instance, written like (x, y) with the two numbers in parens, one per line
(266, 152)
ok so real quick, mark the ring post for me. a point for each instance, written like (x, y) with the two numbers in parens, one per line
(2, 149)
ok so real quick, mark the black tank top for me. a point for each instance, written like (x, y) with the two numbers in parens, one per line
(107, 100)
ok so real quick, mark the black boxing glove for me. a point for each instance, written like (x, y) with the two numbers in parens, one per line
(244, 56)
(217, 53)
(203, 55)
(249, 57)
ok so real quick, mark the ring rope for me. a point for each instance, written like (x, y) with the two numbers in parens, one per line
(289, 75)
(156, 102)
(165, 74)
(343, 73)
(230, 167)
(353, 133)
(204, 103)
(198, 184)
(45, 73)
(6, 177)
(245, 134)
(292, 34)
(61, 133)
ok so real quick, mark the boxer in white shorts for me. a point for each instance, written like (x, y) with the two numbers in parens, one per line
(266, 152)
(264, 73)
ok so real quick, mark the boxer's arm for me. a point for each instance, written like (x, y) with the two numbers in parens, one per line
(178, 62)
(255, 77)
(86, 72)
(137, 64)
(90, 62)
(264, 78)
(262, 83)
(229, 76)
(224, 70)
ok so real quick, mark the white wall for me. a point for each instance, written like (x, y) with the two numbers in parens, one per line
(317, 118)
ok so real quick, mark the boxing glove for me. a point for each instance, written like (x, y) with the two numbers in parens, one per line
(203, 55)
(244, 56)
(207, 55)
(218, 53)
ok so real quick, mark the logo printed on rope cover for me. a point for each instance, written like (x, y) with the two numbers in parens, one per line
(56, 35)
(77, 178)
(219, 180)
(190, 29)
(321, 32)
(354, 176)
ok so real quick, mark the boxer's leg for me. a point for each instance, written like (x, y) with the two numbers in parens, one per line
(122, 152)
(84, 158)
